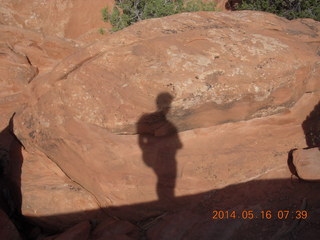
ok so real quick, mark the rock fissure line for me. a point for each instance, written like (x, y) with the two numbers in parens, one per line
(263, 173)
(74, 181)
(78, 65)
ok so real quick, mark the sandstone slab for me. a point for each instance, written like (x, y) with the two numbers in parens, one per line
(219, 67)
(307, 163)
(47, 191)
(241, 90)
(24, 55)
(67, 19)
(216, 72)
(25, 49)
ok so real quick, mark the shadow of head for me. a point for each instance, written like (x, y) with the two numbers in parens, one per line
(163, 102)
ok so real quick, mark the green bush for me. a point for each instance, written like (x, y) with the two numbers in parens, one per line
(105, 14)
(118, 20)
(289, 9)
(198, 5)
(127, 12)
(102, 31)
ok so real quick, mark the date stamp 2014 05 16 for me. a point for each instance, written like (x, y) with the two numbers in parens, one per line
(266, 214)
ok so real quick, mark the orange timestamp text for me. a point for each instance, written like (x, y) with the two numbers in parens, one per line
(267, 214)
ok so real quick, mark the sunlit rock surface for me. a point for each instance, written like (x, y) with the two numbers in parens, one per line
(162, 123)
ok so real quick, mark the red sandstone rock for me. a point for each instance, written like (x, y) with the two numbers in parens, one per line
(229, 75)
(31, 50)
(67, 19)
(24, 55)
(45, 187)
(220, 67)
(15, 71)
(111, 166)
(307, 163)
(48, 191)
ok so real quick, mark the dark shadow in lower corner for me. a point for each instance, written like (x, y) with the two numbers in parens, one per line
(192, 216)
(11, 161)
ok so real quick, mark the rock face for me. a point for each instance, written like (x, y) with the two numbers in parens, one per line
(55, 18)
(174, 113)
(46, 189)
(31, 50)
(24, 56)
(218, 67)
(307, 163)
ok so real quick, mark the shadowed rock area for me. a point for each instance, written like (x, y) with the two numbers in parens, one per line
(199, 125)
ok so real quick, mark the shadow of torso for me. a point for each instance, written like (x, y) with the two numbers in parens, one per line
(159, 142)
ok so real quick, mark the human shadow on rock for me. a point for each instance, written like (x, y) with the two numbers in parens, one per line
(159, 142)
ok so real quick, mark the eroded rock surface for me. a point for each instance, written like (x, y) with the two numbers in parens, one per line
(241, 89)
(219, 67)
(45, 188)
(63, 19)
(24, 55)
(307, 163)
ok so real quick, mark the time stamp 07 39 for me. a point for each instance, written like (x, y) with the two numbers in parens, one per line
(266, 214)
